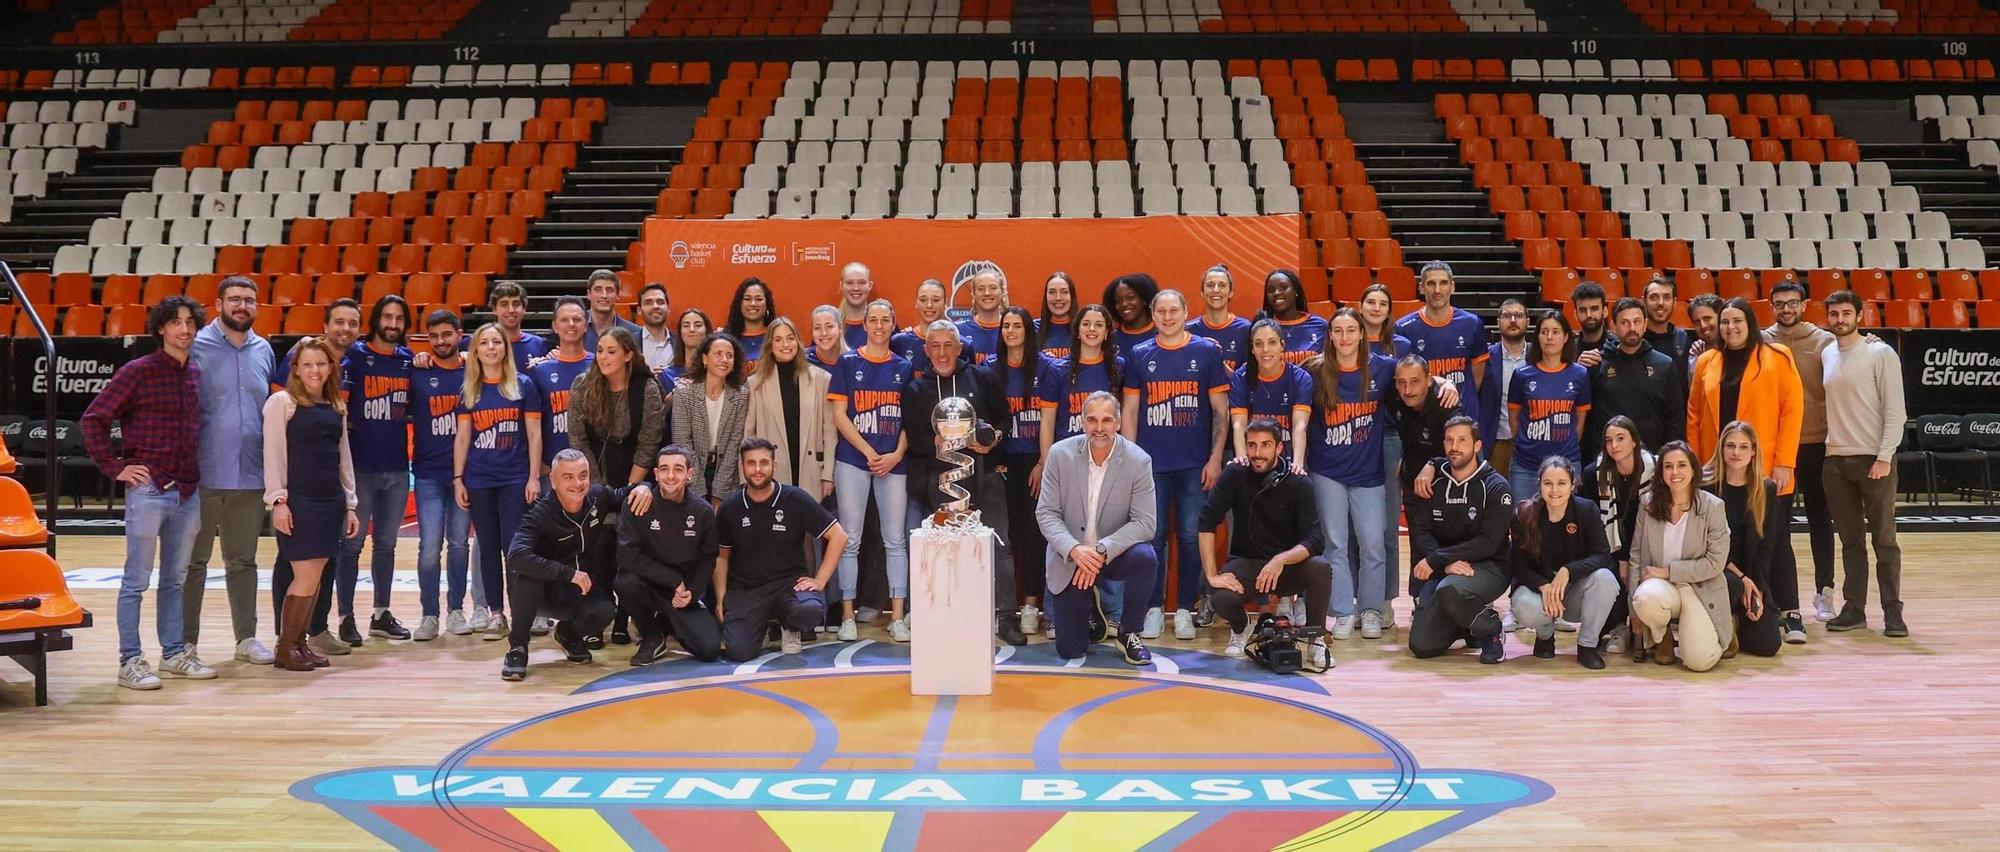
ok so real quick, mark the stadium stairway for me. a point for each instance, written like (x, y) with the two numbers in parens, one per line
(1594, 16)
(63, 217)
(501, 20)
(1967, 195)
(594, 220)
(1437, 214)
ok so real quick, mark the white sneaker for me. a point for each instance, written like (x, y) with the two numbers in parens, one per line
(1343, 626)
(540, 626)
(789, 642)
(136, 674)
(1183, 624)
(1507, 623)
(1050, 630)
(849, 631)
(1371, 625)
(1823, 604)
(455, 623)
(1614, 644)
(1564, 625)
(1294, 609)
(1237, 639)
(899, 630)
(253, 652)
(1318, 653)
(1031, 619)
(496, 628)
(481, 616)
(427, 629)
(188, 665)
(328, 644)
(1156, 623)
(1389, 619)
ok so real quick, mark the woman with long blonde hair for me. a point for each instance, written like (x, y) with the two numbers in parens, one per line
(788, 408)
(1756, 521)
(309, 486)
(496, 464)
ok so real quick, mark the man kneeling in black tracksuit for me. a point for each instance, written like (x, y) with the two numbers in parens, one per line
(760, 572)
(666, 556)
(1275, 539)
(1460, 535)
(560, 563)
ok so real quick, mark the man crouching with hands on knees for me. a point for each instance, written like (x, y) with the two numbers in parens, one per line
(1275, 539)
(1098, 514)
(666, 556)
(1460, 532)
(561, 561)
(760, 571)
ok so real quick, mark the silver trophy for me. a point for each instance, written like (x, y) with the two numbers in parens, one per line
(955, 422)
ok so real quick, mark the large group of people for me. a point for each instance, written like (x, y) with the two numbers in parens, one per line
(715, 484)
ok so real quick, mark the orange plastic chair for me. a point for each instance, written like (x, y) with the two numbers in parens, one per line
(487, 259)
(120, 290)
(83, 321)
(1903, 313)
(32, 574)
(1949, 314)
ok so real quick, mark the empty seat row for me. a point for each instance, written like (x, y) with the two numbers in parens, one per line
(1756, 199)
(52, 112)
(1771, 225)
(1692, 173)
(1730, 150)
(61, 134)
(1838, 254)
(923, 202)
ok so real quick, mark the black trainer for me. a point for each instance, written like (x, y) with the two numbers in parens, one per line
(386, 625)
(515, 667)
(1135, 650)
(1589, 658)
(1492, 649)
(348, 633)
(1851, 617)
(621, 634)
(1546, 648)
(1486, 623)
(1794, 629)
(1010, 629)
(594, 643)
(650, 651)
(1892, 624)
(573, 645)
(1204, 613)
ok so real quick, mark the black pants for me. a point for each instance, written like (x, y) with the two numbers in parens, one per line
(1809, 477)
(649, 605)
(1760, 638)
(1312, 578)
(559, 600)
(1784, 591)
(1449, 604)
(1070, 606)
(748, 609)
(990, 497)
(1025, 533)
(281, 579)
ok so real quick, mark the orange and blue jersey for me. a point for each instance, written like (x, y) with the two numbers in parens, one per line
(1287, 398)
(1549, 407)
(377, 385)
(1056, 337)
(1455, 350)
(870, 395)
(1233, 336)
(1304, 337)
(1171, 385)
(434, 392)
(1129, 340)
(1397, 347)
(909, 344)
(553, 376)
(1024, 438)
(753, 349)
(856, 332)
(1344, 441)
(1061, 400)
(498, 455)
(981, 340)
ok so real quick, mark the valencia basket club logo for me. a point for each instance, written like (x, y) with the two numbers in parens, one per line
(847, 759)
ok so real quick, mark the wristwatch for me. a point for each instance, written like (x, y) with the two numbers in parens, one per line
(1099, 547)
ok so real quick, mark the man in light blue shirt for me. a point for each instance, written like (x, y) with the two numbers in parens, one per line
(236, 376)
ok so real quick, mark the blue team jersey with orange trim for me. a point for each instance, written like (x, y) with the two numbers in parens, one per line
(1344, 441)
(870, 394)
(1551, 406)
(498, 456)
(1171, 385)
(753, 349)
(1062, 401)
(1280, 399)
(1233, 337)
(1454, 350)
(553, 377)
(378, 399)
(1304, 337)
(855, 332)
(1056, 338)
(1128, 341)
(1024, 401)
(434, 392)
(981, 340)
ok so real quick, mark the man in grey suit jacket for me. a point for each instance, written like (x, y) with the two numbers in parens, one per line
(1097, 513)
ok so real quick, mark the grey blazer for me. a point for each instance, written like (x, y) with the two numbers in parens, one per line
(1126, 515)
(711, 442)
(1703, 557)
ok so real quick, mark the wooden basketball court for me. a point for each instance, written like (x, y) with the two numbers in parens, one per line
(1851, 740)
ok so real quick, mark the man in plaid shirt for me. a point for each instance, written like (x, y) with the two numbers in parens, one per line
(155, 400)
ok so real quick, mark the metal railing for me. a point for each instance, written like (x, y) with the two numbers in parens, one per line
(52, 469)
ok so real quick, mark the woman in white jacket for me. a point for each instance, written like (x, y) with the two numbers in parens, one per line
(1679, 550)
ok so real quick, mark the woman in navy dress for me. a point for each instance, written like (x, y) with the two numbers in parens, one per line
(309, 486)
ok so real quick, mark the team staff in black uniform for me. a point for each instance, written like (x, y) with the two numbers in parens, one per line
(1460, 537)
(1635, 380)
(560, 565)
(760, 571)
(666, 556)
(1275, 540)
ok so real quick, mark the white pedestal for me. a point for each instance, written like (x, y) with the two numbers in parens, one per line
(951, 601)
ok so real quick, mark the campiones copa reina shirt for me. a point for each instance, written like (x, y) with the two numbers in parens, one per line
(870, 394)
(1061, 400)
(1171, 385)
(1055, 338)
(1453, 350)
(377, 385)
(1233, 336)
(1344, 441)
(434, 392)
(553, 378)
(1304, 337)
(1551, 405)
(1285, 398)
(1025, 437)
(499, 426)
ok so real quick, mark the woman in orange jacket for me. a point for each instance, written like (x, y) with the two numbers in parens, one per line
(1756, 382)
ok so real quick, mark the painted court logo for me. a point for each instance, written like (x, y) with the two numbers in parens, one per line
(1057, 757)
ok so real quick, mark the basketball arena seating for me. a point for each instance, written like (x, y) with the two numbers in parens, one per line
(1975, 121)
(228, 21)
(1244, 16)
(619, 18)
(36, 609)
(41, 138)
(1823, 17)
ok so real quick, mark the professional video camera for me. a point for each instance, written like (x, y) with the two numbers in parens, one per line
(1281, 646)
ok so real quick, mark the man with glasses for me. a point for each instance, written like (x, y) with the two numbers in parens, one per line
(1502, 359)
(1807, 342)
(235, 365)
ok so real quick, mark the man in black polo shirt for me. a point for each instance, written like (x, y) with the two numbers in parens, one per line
(560, 564)
(760, 572)
(666, 556)
(1275, 539)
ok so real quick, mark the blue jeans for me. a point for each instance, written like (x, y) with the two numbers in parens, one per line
(440, 523)
(1179, 493)
(1524, 483)
(496, 514)
(159, 529)
(1392, 505)
(851, 489)
(380, 498)
(1344, 509)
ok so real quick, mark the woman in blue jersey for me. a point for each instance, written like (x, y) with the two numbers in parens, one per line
(1130, 300)
(931, 305)
(1548, 398)
(1270, 387)
(1376, 326)
(1058, 312)
(1379, 331)
(1285, 302)
(1018, 365)
(1216, 323)
(496, 464)
(829, 338)
(1094, 365)
(1345, 458)
(750, 310)
(690, 329)
(868, 389)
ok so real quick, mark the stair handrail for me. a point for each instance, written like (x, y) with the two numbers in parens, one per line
(53, 471)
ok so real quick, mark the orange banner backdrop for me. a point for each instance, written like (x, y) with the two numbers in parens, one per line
(702, 260)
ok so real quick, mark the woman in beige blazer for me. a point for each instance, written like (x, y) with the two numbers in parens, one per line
(709, 413)
(809, 439)
(1679, 550)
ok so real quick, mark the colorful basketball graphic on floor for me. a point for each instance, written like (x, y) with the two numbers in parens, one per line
(1056, 758)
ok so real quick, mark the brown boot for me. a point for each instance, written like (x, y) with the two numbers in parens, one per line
(1663, 652)
(291, 634)
(1729, 653)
